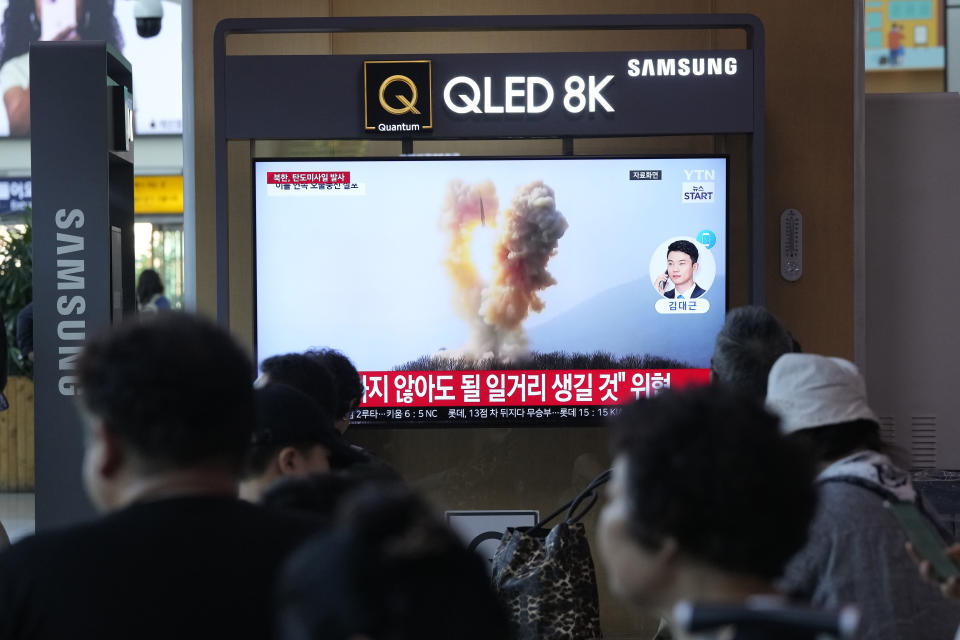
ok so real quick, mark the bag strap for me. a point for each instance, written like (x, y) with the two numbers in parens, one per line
(590, 493)
(570, 507)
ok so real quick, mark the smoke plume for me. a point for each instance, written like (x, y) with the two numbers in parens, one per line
(528, 233)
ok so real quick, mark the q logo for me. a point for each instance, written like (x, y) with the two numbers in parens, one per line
(408, 103)
(397, 96)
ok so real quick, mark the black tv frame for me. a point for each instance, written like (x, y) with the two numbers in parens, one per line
(584, 421)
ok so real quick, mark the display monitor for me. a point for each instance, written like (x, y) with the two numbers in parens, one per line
(523, 291)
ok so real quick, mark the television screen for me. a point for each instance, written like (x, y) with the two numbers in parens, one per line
(157, 74)
(523, 291)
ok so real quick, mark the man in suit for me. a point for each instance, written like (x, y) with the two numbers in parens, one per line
(682, 264)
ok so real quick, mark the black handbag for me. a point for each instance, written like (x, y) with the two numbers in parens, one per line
(546, 578)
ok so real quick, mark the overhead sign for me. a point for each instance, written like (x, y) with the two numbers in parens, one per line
(158, 194)
(16, 194)
(151, 194)
(481, 531)
(491, 95)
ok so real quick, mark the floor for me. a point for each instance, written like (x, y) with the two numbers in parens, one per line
(17, 514)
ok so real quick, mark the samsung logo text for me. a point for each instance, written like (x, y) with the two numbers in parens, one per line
(714, 66)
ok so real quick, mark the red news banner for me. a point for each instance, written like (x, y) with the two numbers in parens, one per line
(307, 177)
(521, 388)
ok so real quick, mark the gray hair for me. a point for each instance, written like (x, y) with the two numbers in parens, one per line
(749, 343)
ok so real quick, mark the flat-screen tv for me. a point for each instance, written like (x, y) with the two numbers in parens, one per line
(520, 291)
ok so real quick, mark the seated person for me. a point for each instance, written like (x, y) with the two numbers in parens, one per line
(175, 553)
(312, 377)
(304, 374)
(682, 264)
(707, 502)
(347, 382)
(856, 548)
(388, 569)
(293, 437)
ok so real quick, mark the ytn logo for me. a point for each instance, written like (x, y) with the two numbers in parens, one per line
(397, 96)
(699, 186)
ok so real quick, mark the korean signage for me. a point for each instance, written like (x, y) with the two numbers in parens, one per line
(16, 194)
(512, 395)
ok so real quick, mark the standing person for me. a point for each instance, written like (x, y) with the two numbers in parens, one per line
(895, 42)
(4, 367)
(707, 503)
(856, 548)
(25, 333)
(150, 298)
(174, 554)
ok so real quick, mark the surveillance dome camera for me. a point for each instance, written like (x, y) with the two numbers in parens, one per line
(149, 14)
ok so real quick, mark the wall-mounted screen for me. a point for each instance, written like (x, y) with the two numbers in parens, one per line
(521, 291)
(156, 60)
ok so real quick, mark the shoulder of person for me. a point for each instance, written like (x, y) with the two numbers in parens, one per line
(15, 72)
(22, 559)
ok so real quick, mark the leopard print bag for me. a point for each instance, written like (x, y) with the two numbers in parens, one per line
(546, 577)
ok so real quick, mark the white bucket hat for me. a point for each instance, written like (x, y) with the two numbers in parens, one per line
(807, 391)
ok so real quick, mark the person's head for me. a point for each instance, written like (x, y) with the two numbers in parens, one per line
(305, 374)
(22, 22)
(292, 437)
(348, 382)
(389, 570)
(749, 343)
(682, 262)
(706, 496)
(148, 285)
(822, 402)
(162, 395)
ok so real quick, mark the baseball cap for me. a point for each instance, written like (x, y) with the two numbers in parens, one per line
(286, 416)
(808, 390)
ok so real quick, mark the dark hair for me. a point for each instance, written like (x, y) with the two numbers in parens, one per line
(287, 417)
(345, 375)
(148, 285)
(304, 374)
(749, 343)
(389, 570)
(21, 26)
(321, 494)
(835, 441)
(686, 247)
(709, 468)
(175, 388)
